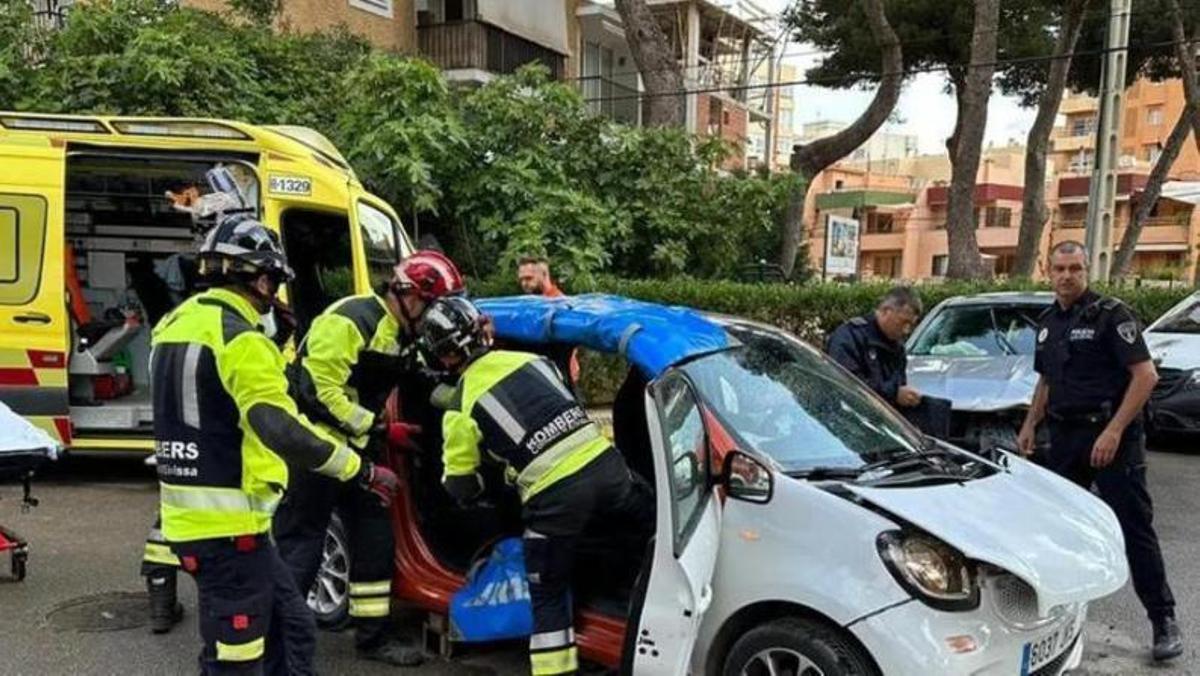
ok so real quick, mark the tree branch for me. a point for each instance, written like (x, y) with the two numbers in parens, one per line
(1033, 207)
(812, 158)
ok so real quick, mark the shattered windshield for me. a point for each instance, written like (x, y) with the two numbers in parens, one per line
(980, 331)
(789, 402)
(1184, 320)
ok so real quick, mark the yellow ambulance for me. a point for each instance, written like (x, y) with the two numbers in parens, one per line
(93, 251)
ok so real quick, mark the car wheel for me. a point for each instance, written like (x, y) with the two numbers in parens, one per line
(798, 647)
(329, 598)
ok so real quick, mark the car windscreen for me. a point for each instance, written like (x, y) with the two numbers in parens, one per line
(980, 331)
(1183, 320)
(788, 401)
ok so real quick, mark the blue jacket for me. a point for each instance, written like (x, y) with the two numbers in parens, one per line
(879, 361)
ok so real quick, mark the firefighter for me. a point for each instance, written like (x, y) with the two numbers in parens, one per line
(517, 407)
(350, 360)
(160, 567)
(224, 426)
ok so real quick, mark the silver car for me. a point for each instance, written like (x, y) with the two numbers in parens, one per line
(977, 351)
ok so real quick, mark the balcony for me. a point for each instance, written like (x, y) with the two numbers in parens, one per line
(1173, 230)
(474, 45)
(1075, 189)
(611, 99)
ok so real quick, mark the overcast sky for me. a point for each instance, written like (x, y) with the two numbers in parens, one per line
(924, 109)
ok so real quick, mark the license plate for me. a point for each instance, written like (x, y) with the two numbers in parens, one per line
(1041, 652)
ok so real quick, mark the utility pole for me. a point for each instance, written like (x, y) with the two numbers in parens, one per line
(1102, 198)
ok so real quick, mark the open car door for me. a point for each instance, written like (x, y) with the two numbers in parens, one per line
(679, 588)
(33, 303)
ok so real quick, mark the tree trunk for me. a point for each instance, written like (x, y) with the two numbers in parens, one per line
(655, 58)
(967, 144)
(1033, 207)
(1185, 54)
(813, 158)
(1189, 121)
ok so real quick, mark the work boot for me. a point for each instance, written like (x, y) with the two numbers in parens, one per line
(393, 652)
(1168, 640)
(165, 610)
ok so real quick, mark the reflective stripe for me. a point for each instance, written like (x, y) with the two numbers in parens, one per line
(156, 553)
(189, 397)
(215, 499)
(554, 662)
(241, 652)
(552, 639)
(370, 588)
(372, 607)
(552, 377)
(507, 422)
(360, 422)
(339, 463)
(548, 458)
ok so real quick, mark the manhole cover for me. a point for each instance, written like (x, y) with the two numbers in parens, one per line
(109, 611)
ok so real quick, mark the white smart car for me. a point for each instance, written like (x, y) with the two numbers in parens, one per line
(803, 528)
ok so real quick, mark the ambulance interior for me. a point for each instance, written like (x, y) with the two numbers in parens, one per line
(131, 244)
(130, 260)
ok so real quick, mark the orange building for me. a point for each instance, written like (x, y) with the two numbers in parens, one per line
(902, 203)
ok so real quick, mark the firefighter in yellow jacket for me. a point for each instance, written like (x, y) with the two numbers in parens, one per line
(224, 426)
(516, 406)
(350, 361)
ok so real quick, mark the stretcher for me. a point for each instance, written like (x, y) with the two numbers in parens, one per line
(23, 449)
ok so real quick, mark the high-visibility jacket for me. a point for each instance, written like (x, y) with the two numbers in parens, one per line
(348, 364)
(516, 406)
(224, 423)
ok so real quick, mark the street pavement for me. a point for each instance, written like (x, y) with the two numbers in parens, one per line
(87, 536)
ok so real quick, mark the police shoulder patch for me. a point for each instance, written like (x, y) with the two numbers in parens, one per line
(1128, 331)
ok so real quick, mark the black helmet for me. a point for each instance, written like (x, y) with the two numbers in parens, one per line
(453, 325)
(240, 244)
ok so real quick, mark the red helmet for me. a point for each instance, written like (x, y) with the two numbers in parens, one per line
(429, 274)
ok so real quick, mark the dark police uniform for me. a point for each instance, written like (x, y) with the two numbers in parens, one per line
(862, 348)
(1083, 355)
(516, 406)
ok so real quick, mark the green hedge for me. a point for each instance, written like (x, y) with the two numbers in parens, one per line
(810, 311)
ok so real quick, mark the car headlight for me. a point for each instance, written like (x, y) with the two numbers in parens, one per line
(929, 569)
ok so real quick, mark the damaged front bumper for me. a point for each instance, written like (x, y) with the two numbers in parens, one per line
(1175, 404)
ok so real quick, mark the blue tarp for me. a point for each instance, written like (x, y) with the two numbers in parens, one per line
(651, 336)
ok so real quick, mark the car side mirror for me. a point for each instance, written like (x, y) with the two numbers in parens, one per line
(747, 479)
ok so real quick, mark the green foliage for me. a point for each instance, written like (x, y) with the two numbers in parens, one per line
(517, 166)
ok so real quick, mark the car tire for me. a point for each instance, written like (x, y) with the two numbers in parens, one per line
(799, 646)
(329, 598)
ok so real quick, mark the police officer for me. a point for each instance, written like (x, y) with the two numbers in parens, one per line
(1095, 377)
(872, 348)
(517, 407)
(349, 363)
(223, 427)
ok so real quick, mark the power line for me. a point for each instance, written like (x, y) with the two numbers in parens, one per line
(641, 96)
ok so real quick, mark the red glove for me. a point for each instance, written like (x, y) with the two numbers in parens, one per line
(401, 435)
(381, 481)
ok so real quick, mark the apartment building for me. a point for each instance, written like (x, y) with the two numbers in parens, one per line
(722, 44)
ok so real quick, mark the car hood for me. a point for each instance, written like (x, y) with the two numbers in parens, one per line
(1060, 539)
(981, 384)
(1174, 350)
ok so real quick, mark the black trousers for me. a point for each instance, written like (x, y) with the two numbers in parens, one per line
(252, 617)
(1122, 485)
(554, 519)
(299, 529)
